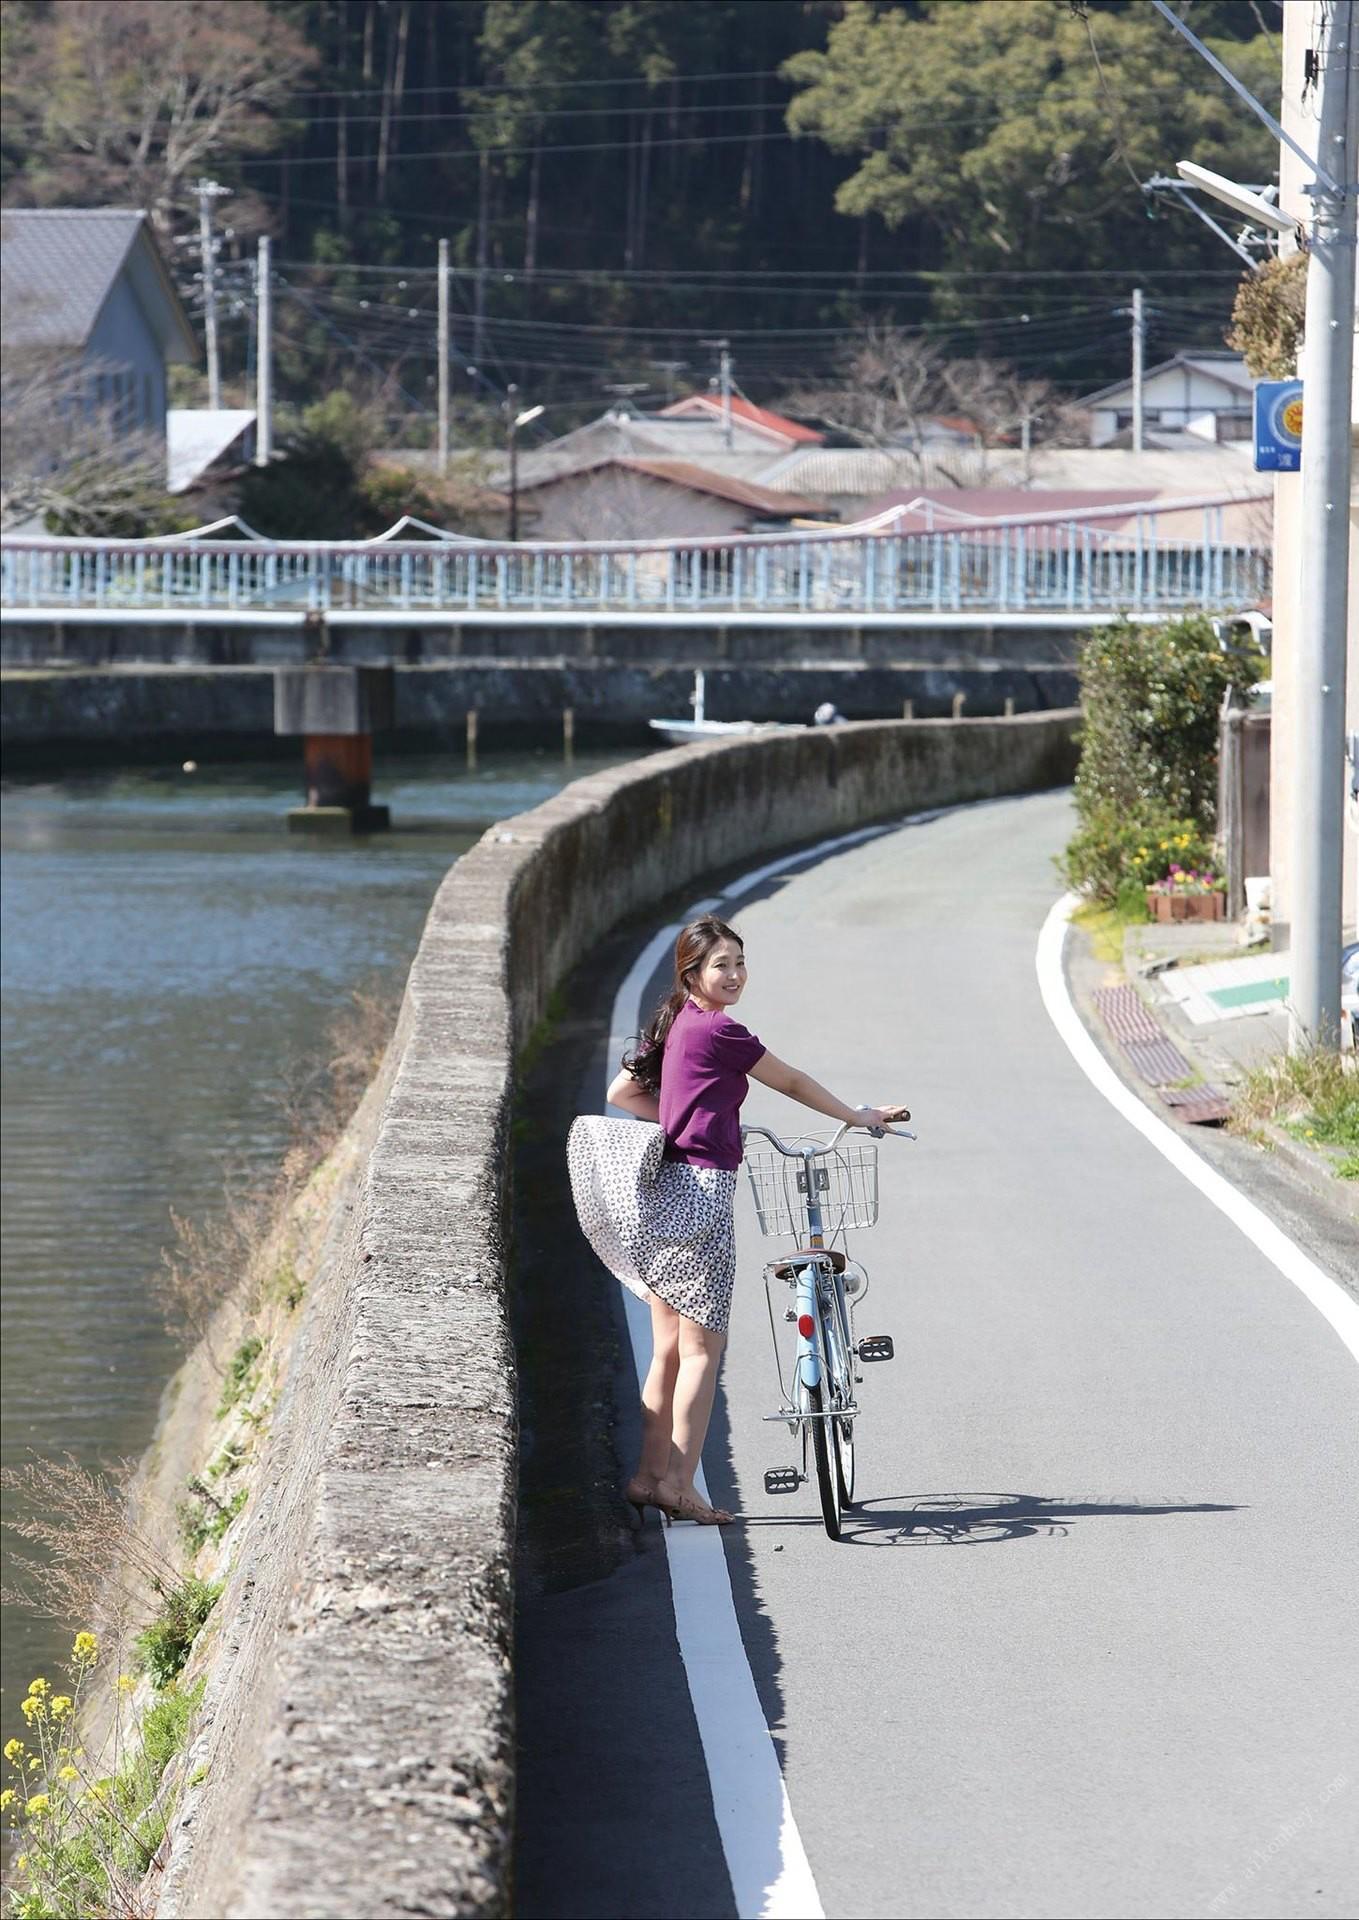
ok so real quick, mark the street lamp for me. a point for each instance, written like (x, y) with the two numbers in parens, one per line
(516, 420)
(1241, 199)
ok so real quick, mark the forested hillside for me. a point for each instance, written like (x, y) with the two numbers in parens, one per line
(624, 181)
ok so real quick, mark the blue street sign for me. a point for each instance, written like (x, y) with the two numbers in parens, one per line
(1278, 426)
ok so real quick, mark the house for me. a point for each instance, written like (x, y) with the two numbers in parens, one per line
(1194, 396)
(89, 286)
(775, 429)
(625, 434)
(632, 498)
(205, 444)
(1106, 510)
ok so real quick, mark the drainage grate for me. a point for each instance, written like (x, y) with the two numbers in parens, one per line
(1158, 1061)
(1126, 1015)
(1200, 1106)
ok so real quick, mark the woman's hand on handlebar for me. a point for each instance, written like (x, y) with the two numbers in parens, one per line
(876, 1117)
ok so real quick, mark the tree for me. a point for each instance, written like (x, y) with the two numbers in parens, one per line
(889, 382)
(892, 382)
(1017, 134)
(127, 100)
(66, 458)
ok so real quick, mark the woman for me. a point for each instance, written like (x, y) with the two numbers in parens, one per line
(665, 1226)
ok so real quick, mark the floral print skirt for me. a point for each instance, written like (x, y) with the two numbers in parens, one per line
(660, 1226)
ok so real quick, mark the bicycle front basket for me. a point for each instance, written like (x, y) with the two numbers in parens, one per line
(846, 1187)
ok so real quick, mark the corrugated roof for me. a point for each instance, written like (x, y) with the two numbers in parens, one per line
(763, 419)
(196, 436)
(58, 266)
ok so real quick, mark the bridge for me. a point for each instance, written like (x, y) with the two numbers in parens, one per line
(916, 562)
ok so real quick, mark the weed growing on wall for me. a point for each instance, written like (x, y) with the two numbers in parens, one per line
(1146, 786)
(84, 1828)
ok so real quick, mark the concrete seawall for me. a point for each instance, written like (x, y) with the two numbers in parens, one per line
(65, 716)
(358, 1732)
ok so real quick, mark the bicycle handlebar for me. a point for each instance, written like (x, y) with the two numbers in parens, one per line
(816, 1153)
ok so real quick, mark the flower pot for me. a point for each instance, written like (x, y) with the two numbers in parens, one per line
(1185, 906)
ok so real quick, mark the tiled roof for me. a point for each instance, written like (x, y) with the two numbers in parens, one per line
(684, 473)
(763, 419)
(57, 267)
(726, 486)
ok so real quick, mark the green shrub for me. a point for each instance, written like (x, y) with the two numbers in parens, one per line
(164, 1645)
(1152, 696)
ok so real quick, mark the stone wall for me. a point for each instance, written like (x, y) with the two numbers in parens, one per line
(358, 1733)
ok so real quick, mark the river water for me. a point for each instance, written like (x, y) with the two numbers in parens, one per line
(167, 949)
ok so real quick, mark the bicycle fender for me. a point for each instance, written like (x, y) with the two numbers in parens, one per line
(808, 1353)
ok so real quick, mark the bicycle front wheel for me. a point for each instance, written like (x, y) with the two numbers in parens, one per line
(827, 1474)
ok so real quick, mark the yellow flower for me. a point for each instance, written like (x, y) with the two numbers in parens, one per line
(34, 1764)
(67, 1773)
(22, 1863)
(33, 1709)
(38, 1687)
(38, 1806)
(86, 1649)
(61, 1706)
(13, 1749)
(1164, 845)
(99, 1791)
(6, 1798)
(126, 1683)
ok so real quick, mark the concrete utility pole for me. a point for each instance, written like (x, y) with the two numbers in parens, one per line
(1139, 336)
(1318, 821)
(264, 358)
(443, 356)
(723, 348)
(208, 191)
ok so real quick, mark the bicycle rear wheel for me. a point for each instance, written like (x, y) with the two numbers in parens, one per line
(839, 1378)
(827, 1474)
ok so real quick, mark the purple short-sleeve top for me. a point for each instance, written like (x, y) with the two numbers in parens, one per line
(703, 1082)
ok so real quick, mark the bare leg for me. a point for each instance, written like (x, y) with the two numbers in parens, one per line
(700, 1355)
(658, 1394)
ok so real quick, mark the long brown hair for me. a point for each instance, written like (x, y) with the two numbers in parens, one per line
(691, 950)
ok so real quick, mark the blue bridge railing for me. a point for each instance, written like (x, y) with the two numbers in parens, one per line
(1034, 565)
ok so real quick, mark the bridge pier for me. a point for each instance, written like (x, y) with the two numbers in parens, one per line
(336, 710)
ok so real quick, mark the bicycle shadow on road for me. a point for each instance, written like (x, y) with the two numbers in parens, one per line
(986, 1519)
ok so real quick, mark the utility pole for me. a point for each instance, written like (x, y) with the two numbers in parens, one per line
(514, 419)
(208, 191)
(483, 258)
(443, 357)
(724, 385)
(1318, 823)
(1139, 329)
(264, 358)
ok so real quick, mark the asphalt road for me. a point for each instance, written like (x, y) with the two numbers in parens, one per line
(1087, 1645)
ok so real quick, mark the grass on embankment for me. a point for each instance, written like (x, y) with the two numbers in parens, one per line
(97, 1772)
(1314, 1096)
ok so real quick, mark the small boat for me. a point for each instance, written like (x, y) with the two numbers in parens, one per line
(680, 732)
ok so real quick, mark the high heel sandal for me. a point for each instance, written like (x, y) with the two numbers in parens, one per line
(687, 1506)
(640, 1494)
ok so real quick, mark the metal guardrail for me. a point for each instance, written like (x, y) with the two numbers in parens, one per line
(1028, 566)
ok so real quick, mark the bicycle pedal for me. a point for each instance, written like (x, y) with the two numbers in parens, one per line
(782, 1480)
(877, 1346)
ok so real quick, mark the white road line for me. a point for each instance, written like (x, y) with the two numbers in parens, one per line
(1326, 1295)
(770, 1873)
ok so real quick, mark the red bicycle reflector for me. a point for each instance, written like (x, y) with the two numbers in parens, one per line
(805, 1324)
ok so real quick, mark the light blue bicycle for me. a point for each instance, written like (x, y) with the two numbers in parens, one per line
(815, 1191)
